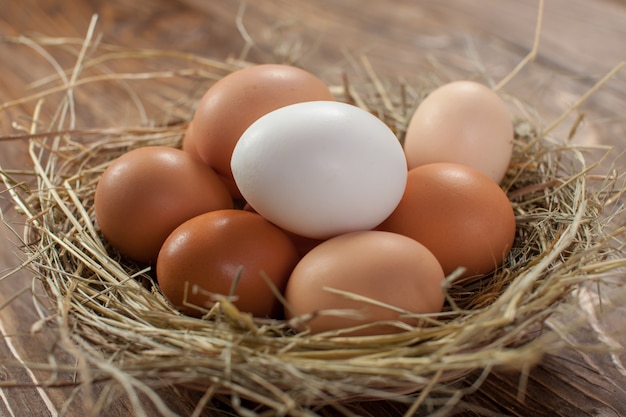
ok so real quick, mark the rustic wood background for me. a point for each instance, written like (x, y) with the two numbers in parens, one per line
(581, 41)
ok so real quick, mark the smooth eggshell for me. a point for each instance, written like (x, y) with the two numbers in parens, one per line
(463, 122)
(147, 192)
(386, 267)
(231, 104)
(462, 216)
(319, 169)
(206, 253)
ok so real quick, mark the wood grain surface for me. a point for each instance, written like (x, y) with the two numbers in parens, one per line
(413, 40)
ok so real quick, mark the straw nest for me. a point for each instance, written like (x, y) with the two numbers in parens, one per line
(110, 315)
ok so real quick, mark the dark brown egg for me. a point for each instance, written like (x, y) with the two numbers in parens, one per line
(222, 251)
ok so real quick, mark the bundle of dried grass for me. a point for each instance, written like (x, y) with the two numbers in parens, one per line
(111, 316)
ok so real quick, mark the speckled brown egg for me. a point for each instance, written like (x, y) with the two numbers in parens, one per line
(389, 268)
(462, 216)
(234, 102)
(148, 192)
(226, 252)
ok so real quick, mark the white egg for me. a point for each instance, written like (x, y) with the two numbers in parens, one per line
(320, 169)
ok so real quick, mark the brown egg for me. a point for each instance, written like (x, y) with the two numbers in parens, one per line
(206, 254)
(234, 102)
(457, 212)
(148, 192)
(386, 267)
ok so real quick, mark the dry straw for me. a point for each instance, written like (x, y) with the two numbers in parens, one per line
(109, 314)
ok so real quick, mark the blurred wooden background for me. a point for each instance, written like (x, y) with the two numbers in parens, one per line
(412, 40)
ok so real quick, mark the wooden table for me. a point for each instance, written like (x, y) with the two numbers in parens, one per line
(411, 40)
